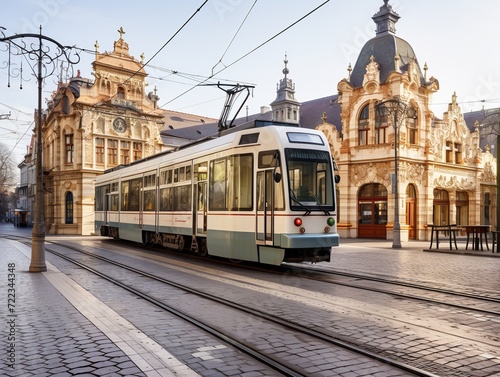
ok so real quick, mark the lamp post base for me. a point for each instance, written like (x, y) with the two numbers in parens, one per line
(38, 249)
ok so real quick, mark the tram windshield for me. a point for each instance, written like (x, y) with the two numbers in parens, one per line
(310, 179)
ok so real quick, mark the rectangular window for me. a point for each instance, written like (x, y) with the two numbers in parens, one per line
(112, 152)
(231, 182)
(182, 198)
(149, 200)
(150, 180)
(131, 194)
(68, 141)
(218, 183)
(458, 153)
(411, 126)
(166, 203)
(380, 134)
(124, 152)
(449, 151)
(99, 150)
(363, 132)
(137, 151)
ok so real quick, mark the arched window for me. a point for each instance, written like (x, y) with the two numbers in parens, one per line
(363, 125)
(120, 93)
(441, 207)
(69, 207)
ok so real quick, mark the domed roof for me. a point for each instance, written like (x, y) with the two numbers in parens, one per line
(385, 47)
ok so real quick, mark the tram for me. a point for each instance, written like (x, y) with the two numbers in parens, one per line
(262, 192)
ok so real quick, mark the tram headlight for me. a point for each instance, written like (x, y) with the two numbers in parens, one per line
(327, 229)
(302, 230)
(330, 221)
(297, 221)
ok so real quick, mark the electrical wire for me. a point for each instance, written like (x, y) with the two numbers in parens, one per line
(248, 53)
(234, 36)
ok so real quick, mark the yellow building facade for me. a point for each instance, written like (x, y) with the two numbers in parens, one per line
(442, 177)
(91, 125)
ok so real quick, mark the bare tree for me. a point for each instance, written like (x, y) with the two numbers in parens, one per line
(7, 169)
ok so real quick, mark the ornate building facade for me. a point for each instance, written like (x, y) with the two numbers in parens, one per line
(93, 125)
(442, 176)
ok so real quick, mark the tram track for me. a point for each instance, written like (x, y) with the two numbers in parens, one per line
(476, 303)
(280, 366)
(428, 367)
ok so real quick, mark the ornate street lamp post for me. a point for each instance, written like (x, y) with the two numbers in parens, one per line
(384, 110)
(46, 65)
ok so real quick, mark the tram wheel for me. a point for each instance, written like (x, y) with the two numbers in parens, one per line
(181, 243)
(202, 248)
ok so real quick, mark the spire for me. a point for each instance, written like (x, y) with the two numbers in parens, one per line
(386, 19)
(285, 107)
(285, 70)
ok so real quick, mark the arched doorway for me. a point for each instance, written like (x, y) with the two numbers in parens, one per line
(372, 211)
(411, 211)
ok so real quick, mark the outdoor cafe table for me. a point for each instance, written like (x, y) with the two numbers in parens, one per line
(476, 232)
(450, 230)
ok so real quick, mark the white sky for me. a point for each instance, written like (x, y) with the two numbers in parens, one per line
(457, 39)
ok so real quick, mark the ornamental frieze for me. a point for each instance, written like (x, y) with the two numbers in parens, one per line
(454, 183)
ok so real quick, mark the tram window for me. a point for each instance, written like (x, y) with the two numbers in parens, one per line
(130, 194)
(100, 195)
(114, 202)
(301, 137)
(150, 200)
(266, 159)
(182, 198)
(124, 192)
(200, 171)
(249, 139)
(218, 183)
(150, 180)
(231, 183)
(182, 174)
(166, 199)
(188, 173)
(309, 177)
(241, 183)
(176, 175)
(163, 177)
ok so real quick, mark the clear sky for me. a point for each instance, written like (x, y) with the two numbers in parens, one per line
(458, 39)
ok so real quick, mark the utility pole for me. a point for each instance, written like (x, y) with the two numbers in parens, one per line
(37, 47)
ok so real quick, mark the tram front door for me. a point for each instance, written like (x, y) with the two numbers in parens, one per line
(265, 207)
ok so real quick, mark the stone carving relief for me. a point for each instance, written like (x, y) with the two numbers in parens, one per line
(367, 173)
(454, 183)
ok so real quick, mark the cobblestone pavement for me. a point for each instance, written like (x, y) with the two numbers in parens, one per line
(70, 333)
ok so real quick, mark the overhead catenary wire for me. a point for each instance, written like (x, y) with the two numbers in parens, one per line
(248, 53)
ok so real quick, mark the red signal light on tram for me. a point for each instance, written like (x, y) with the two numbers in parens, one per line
(297, 221)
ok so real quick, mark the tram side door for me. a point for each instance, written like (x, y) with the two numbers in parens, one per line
(265, 207)
(200, 209)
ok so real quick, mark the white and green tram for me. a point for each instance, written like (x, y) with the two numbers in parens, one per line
(263, 192)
